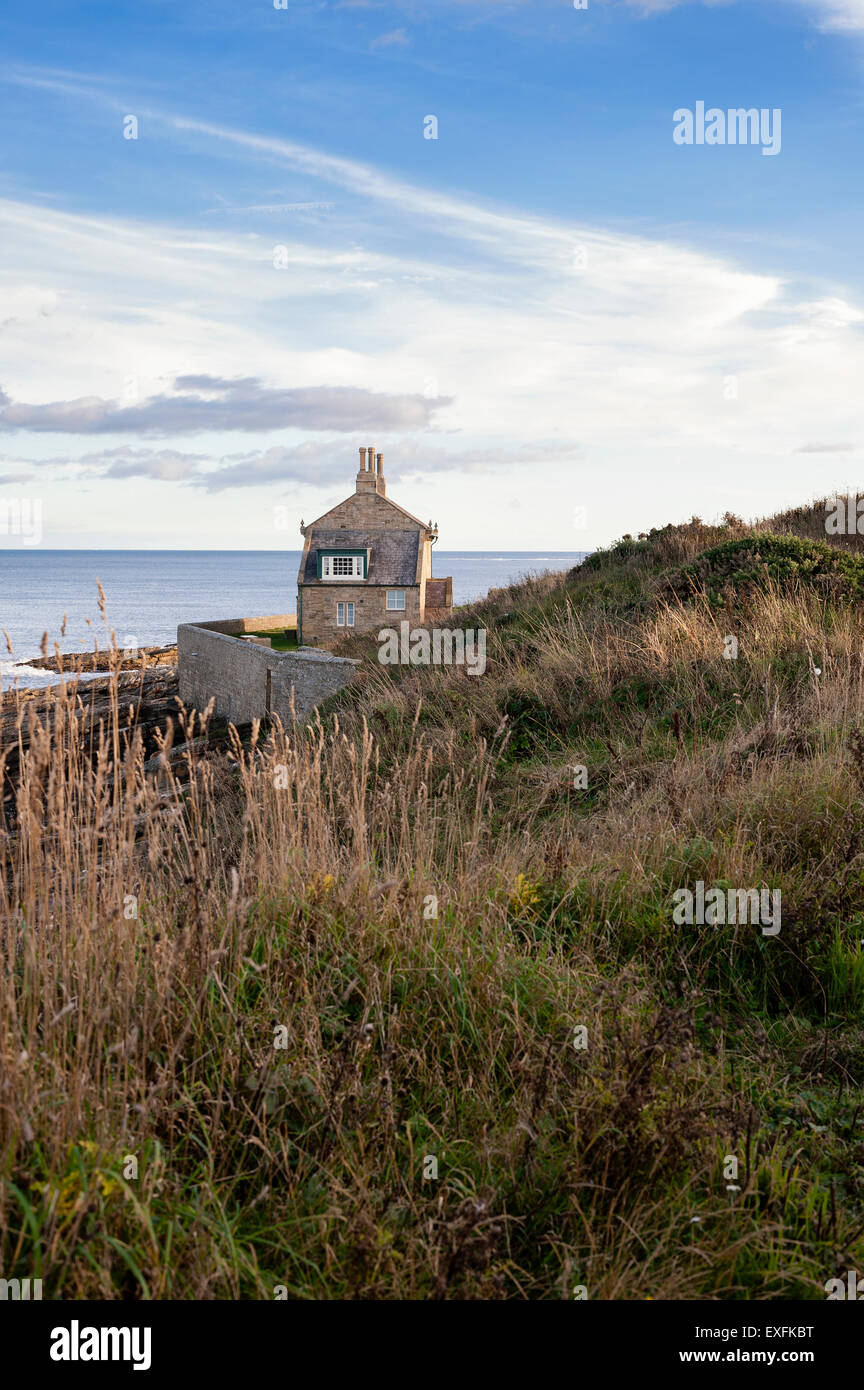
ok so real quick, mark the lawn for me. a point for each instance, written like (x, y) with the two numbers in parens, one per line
(281, 639)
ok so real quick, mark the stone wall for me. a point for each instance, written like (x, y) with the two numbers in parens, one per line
(247, 682)
(235, 627)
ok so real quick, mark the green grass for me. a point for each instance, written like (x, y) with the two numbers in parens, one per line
(755, 561)
(280, 641)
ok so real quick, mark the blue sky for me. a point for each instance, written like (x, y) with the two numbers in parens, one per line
(556, 323)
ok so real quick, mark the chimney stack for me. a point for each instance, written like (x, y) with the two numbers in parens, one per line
(366, 481)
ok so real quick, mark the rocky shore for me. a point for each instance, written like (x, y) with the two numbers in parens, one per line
(71, 663)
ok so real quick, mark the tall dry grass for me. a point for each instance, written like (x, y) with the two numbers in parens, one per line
(411, 899)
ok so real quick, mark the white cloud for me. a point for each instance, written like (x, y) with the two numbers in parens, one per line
(536, 331)
(839, 16)
(831, 16)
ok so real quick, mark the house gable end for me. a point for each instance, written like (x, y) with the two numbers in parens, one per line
(370, 510)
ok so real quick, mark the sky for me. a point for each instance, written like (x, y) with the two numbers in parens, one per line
(240, 241)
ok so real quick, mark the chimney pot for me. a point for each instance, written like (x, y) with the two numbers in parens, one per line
(380, 469)
(362, 459)
(372, 457)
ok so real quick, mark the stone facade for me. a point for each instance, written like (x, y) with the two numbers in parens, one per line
(395, 549)
(246, 681)
(370, 610)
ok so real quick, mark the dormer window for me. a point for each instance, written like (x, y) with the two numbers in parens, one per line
(342, 564)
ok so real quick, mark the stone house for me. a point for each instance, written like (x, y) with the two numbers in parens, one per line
(367, 564)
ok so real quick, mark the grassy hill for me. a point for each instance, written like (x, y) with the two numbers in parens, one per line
(434, 932)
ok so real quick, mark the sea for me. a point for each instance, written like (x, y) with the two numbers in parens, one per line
(148, 592)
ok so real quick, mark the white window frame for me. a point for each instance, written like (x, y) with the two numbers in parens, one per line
(356, 568)
(344, 615)
(395, 607)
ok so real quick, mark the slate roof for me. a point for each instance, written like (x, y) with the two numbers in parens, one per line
(392, 554)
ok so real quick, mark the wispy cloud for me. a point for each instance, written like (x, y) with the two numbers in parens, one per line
(841, 16)
(831, 16)
(273, 209)
(827, 449)
(396, 38)
(502, 332)
(211, 403)
(324, 462)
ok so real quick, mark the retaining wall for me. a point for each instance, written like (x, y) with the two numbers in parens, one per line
(246, 681)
